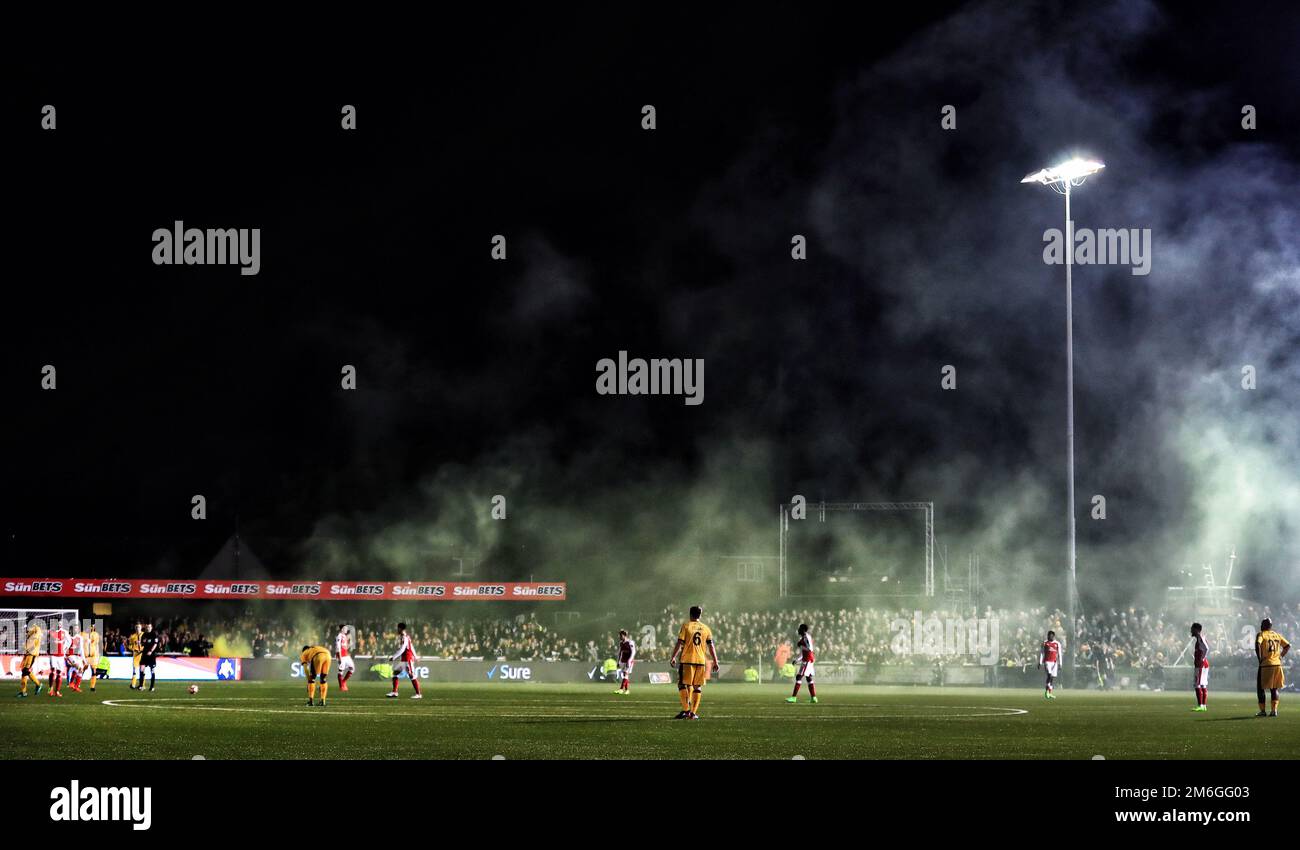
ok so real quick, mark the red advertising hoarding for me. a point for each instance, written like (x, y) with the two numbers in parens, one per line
(432, 591)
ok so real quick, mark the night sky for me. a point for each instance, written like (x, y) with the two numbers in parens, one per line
(822, 376)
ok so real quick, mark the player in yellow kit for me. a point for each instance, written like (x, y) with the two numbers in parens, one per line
(695, 649)
(31, 649)
(90, 645)
(134, 647)
(316, 666)
(1270, 649)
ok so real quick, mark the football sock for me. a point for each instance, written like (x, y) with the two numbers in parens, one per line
(695, 704)
(323, 687)
(394, 684)
(340, 680)
(812, 690)
(684, 695)
(796, 690)
(415, 683)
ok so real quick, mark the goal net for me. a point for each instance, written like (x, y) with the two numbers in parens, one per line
(14, 623)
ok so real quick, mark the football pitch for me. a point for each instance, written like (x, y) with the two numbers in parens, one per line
(251, 720)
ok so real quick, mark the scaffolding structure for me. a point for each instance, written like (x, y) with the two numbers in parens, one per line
(927, 508)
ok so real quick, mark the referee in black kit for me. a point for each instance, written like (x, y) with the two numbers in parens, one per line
(149, 646)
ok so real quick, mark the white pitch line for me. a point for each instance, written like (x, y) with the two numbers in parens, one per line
(462, 715)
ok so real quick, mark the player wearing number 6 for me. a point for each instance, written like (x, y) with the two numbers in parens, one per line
(692, 642)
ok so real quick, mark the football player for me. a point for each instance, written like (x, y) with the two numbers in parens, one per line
(1049, 659)
(316, 667)
(807, 657)
(1270, 649)
(693, 642)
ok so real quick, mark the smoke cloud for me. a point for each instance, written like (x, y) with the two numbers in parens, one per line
(824, 376)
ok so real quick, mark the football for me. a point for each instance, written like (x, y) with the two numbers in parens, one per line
(194, 689)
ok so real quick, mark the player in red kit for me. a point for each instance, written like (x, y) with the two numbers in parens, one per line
(59, 640)
(74, 662)
(626, 658)
(343, 649)
(1200, 669)
(807, 656)
(1049, 659)
(405, 658)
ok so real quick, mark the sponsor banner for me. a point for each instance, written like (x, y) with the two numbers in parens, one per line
(84, 588)
(487, 672)
(170, 668)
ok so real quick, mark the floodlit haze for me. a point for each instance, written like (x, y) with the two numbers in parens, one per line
(822, 377)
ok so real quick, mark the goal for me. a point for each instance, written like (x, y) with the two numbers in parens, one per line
(14, 622)
(820, 509)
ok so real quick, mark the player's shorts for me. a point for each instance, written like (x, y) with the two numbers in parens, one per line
(407, 667)
(347, 665)
(1201, 677)
(805, 670)
(75, 662)
(1053, 668)
(149, 661)
(29, 661)
(1271, 678)
(135, 660)
(690, 675)
(625, 667)
(318, 664)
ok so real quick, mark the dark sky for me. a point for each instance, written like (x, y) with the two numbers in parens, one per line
(822, 377)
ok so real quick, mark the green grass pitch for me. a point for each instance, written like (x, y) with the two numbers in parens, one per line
(248, 720)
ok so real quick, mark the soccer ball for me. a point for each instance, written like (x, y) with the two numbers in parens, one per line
(194, 689)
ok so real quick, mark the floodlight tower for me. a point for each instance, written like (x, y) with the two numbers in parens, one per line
(1062, 178)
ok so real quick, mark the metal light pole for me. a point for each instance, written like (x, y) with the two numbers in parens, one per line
(1062, 178)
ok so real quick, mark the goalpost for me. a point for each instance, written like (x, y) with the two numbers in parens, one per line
(14, 622)
(927, 508)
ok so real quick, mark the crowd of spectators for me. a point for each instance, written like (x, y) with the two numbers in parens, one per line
(1136, 638)
(517, 638)
(1129, 637)
(178, 636)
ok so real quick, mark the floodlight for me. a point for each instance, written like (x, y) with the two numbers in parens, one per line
(1072, 172)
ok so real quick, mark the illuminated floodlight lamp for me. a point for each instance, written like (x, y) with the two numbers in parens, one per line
(1072, 172)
